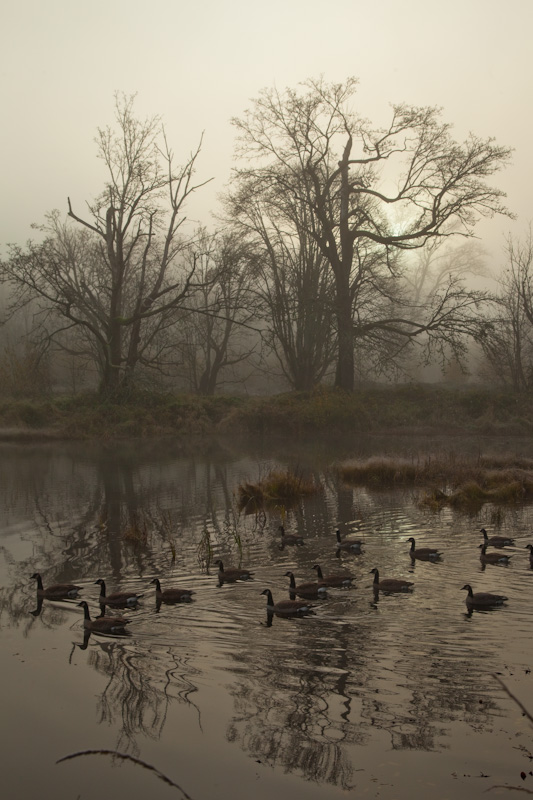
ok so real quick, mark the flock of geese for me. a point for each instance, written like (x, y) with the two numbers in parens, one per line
(284, 608)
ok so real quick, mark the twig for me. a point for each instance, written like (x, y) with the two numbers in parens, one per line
(512, 696)
(126, 757)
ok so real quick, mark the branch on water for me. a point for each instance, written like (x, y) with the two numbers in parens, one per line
(126, 757)
(511, 695)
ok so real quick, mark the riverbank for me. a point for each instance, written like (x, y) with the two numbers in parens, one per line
(401, 409)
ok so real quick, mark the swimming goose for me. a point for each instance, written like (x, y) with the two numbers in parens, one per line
(492, 558)
(390, 584)
(171, 595)
(289, 538)
(350, 545)
(102, 624)
(423, 553)
(233, 574)
(287, 608)
(332, 580)
(483, 599)
(311, 589)
(497, 541)
(117, 599)
(57, 591)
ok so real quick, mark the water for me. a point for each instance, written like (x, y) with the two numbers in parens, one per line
(390, 696)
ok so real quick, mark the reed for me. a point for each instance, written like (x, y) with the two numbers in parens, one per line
(277, 488)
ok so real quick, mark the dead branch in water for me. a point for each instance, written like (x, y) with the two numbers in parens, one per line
(126, 757)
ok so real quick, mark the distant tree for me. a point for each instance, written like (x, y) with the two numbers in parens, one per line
(219, 327)
(507, 341)
(115, 283)
(311, 149)
(291, 281)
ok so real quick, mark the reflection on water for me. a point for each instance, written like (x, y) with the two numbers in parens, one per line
(322, 697)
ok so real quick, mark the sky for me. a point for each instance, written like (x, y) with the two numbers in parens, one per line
(198, 64)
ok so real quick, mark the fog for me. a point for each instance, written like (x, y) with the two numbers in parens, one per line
(198, 65)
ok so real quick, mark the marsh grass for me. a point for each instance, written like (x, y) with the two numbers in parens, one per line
(278, 488)
(409, 407)
(449, 480)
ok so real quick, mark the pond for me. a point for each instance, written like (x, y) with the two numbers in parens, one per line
(380, 695)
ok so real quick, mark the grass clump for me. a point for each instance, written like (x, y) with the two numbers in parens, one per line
(277, 488)
(448, 480)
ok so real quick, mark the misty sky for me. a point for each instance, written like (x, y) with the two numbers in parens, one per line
(197, 64)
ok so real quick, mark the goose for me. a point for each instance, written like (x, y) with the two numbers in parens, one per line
(484, 599)
(102, 624)
(171, 595)
(497, 541)
(287, 608)
(390, 584)
(530, 548)
(332, 580)
(57, 591)
(289, 538)
(423, 553)
(312, 589)
(233, 574)
(492, 558)
(118, 599)
(349, 545)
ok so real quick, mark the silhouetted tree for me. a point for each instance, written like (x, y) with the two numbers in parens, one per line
(309, 148)
(115, 283)
(507, 342)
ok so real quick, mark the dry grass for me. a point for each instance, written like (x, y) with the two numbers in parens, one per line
(276, 488)
(449, 480)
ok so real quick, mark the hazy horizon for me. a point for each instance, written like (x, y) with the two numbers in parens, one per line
(199, 66)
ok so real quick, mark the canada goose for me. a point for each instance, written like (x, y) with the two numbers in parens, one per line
(423, 553)
(497, 541)
(492, 558)
(349, 545)
(332, 580)
(233, 574)
(118, 599)
(312, 589)
(530, 548)
(57, 591)
(171, 595)
(484, 599)
(289, 538)
(103, 624)
(390, 584)
(287, 608)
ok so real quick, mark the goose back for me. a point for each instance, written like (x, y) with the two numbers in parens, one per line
(102, 624)
(310, 589)
(117, 599)
(287, 608)
(174, 595)
(497, 541)
(233, 574)
(424, 553)
(492, 558)
(483, 599)
(336, 580)
(390, 584)
(57, 591)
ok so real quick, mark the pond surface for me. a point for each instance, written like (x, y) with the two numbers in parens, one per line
(388, 696)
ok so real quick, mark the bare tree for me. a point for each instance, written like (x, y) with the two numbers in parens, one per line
(120, 278)
(507, 341)
(291, 281)
(219, 331)
(312, 149)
